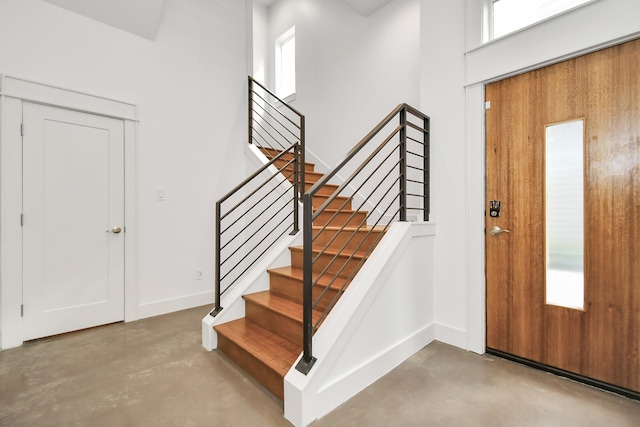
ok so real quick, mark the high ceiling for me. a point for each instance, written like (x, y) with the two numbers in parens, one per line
(367, 7)
(140, 17)
(364, 7)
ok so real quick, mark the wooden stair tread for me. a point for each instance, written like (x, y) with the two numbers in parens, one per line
(307, 173)
(359, 254)
(297, 273)
(328, 184)
(326, 196)
(333, 210)
(280, 304)
(270, 154)
(274, 351)
(284, 163)
(375, 229)
(341, 200)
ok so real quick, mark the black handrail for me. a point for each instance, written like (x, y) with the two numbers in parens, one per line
(274, 125)
(390, 156)
(254, 215)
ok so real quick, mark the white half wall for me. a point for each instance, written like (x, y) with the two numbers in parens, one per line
(385, 316)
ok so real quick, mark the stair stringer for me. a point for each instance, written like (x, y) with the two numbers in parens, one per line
(257, 278)
(385, 316)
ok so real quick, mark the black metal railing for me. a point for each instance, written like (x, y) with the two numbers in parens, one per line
(258, 212)
(273, 124)
(385, 178)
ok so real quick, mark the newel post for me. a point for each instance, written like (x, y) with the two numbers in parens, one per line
(403, 164)
(307, 361)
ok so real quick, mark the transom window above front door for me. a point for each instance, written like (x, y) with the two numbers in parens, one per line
(507, 16)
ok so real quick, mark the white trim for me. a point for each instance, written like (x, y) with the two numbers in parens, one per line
(505, 56)
(42, 93)
(475, 202)
(157, 308)
(13, 92)
(371, 366)
(131, 295)
(10, 229)
(450, 335)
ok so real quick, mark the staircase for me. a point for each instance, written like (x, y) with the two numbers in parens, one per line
(387, 173)
(268, 340)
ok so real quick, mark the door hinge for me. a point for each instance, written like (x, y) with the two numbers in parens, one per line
(21, 129)
(21, 310)
(487, 105)
(21, 220)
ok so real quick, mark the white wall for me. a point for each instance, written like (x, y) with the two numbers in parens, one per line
(442, 96)
(451, 44)
(190, 88)
(351, 70)
(261, 44)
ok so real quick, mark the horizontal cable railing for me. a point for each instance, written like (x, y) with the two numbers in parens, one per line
(273, 124)
(262, 209)
(383, 179)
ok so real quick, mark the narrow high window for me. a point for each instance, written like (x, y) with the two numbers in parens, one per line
(285, 61)
(511, 15)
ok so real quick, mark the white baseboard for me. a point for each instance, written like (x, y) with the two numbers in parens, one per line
(450, 335)
(157, 308)
(377, 366)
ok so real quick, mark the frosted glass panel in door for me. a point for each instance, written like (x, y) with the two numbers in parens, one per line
(565, 214)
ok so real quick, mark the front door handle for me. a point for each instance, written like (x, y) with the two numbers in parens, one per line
(497, 230)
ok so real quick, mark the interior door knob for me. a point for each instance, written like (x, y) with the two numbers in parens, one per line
(116, 230)
(497, 230)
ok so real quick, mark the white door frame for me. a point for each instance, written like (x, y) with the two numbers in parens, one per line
(13, 92)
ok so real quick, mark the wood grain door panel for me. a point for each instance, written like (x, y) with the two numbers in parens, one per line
(603, 340)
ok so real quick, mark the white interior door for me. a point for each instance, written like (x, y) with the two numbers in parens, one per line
(73, 230)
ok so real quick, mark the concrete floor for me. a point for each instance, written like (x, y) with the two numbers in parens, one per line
(154, 372)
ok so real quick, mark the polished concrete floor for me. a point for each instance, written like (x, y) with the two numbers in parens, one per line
(154, 372)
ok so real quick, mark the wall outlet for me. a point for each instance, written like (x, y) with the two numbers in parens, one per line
(198, 274)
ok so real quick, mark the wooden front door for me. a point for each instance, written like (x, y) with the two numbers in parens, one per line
(601, 339)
